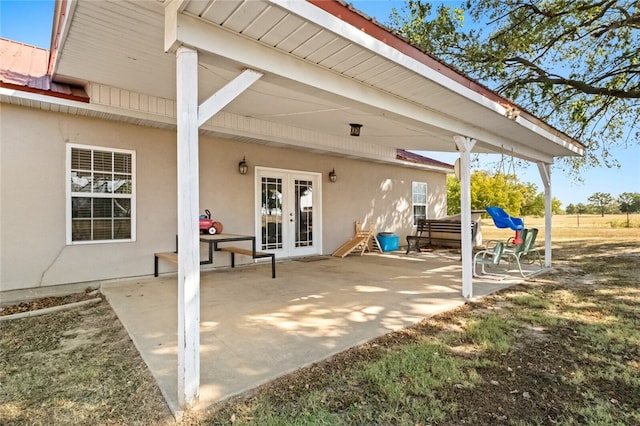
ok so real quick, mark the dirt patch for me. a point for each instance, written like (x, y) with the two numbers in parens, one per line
(49, 302)
(76, 366)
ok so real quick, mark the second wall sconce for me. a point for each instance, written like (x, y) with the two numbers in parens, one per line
(333, 176)
(242, 166)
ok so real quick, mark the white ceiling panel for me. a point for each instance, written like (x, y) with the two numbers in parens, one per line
(318, 40)
(358, 57)
(217, 11)
(299, 36)
(264, 23)
(282, 29)
(243, 16)
(375, 70)
(121, 44)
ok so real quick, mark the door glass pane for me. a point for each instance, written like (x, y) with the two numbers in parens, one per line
(271, 213)
(304, 211)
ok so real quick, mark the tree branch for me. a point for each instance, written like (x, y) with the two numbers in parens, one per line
(546, 78)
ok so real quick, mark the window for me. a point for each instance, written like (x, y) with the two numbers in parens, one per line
(419, 195)
(100, 194)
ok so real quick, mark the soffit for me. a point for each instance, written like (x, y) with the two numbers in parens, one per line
(121, 44)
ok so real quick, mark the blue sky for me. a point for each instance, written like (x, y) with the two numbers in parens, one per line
(29, 21)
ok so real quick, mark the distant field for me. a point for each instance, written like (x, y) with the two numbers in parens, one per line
(566, 227)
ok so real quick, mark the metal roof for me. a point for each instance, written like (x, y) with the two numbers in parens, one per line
(320, 74)
(25, 67)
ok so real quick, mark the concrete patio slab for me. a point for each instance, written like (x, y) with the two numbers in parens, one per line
(254, 329)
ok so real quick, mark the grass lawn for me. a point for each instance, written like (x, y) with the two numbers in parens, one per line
(562, 348)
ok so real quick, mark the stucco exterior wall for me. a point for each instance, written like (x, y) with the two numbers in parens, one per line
(34, 252)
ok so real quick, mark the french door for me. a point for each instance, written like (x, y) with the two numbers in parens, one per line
(288, 212)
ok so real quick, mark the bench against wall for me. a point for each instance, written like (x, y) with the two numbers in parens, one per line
(439, 232)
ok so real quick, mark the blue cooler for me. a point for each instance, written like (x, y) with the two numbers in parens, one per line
(388, 241)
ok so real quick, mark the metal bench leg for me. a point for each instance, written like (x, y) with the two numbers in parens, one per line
(273, 266)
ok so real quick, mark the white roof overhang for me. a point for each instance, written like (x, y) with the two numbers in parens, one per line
(320, 74)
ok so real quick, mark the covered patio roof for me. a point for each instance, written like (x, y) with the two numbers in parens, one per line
(323, 64)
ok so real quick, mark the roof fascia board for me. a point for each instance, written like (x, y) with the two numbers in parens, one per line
(577, 150)
(251, 54)
(310, 12)
(58, 39)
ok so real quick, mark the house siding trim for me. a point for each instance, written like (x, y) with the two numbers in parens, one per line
(136, 108)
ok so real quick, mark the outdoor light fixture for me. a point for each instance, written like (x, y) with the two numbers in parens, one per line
(242, 166)
(355, 129)
(333, 176)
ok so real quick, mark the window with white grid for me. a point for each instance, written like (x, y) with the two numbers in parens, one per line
(100, 194)
(419, 195)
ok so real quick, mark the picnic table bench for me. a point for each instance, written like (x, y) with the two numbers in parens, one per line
(213, 241)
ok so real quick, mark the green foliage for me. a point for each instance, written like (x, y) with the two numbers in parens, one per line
(623, 224)
(490, 333)
(629, 202)
(601, 201)
(583, 209)
(573, 63)
(505, 191)
(406, 383)
(532, 301)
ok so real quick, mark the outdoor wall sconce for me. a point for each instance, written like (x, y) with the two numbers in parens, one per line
(355, 129)
(333, 176)
(242, 166)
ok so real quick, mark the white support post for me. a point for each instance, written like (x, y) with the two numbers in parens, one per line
(188, 241)
(545, 174)
(465, 145)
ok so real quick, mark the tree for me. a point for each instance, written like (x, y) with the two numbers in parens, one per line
(601, 201)
(629, 202)
(573, 63)
(582, 209)
(577, 210)
(515, 197)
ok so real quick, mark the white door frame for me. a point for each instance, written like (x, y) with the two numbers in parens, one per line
(290, 251)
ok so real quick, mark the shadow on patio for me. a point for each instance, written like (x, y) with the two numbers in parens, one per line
(254, 328)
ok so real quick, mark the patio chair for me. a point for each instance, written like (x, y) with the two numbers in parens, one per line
(488, 257)
(525, 252)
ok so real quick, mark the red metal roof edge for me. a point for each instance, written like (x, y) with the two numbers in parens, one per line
(59, 12)
(347, 13)
(51, 93)
(27, 72)
(402, 154)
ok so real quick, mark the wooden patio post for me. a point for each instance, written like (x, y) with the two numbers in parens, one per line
(545, 174)
(188, 241)
(465, 145)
